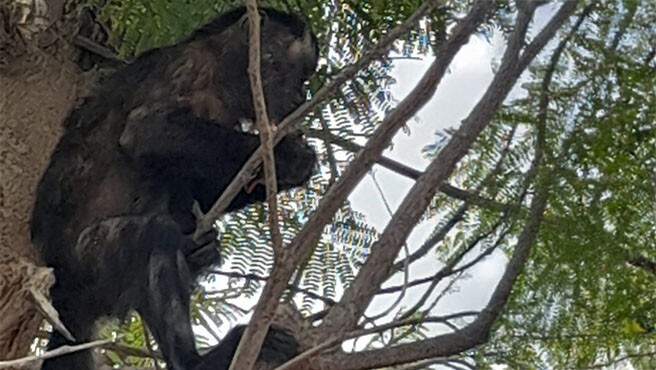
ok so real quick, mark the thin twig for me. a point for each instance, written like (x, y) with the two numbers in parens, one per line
(46, 308)
(411, 173)
(330, 153)
(329, 343)
(262, 122)
(294, 288)
(450, 268)
(405, 263)
(470, 199)
(132, 351)
(63, 350)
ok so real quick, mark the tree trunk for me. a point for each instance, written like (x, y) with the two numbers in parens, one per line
(38, 87)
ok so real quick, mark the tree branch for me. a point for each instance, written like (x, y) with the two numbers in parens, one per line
(373, 330)
(262, 122)
(293, 288)
(477, 332)
(284, 268)
(409, 172)
(356, 298)
(461, 340)
(60, 351)
(471, 198)
(248, 171)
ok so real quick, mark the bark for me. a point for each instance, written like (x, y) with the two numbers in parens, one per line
(38, 86)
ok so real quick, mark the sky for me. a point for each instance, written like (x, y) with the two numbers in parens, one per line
(469, 75)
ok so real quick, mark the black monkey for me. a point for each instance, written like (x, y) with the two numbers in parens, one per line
(113, 211)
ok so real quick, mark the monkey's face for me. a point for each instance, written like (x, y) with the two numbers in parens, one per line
(288, 58)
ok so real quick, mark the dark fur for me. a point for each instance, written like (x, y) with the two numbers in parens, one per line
(113, 211)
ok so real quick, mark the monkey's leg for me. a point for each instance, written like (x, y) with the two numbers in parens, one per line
(123, 263)
(165, 306)
(90, 278)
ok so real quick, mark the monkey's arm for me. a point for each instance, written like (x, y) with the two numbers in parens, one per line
(187, 145)
(181, 144)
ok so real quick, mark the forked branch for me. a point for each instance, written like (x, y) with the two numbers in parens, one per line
(342, 316)
(284, 268)
(375, 271)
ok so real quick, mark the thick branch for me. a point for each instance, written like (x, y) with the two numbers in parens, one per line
(461, 340)
(375, 271)
(477, 332)
(502, 292)
(548, 32)
(284, 268)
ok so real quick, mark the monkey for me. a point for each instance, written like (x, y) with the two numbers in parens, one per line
(114, 209)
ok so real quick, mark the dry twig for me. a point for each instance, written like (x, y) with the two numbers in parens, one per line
(63, 350)
(50, 313)
(262, 121)
(246, 354)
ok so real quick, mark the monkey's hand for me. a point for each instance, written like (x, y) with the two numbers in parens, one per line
(204, 250)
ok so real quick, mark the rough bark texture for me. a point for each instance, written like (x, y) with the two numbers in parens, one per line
(38, 86)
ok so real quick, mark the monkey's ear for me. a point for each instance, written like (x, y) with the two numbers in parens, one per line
(304, 49)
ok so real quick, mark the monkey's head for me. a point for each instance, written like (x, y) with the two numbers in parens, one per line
(289, 55)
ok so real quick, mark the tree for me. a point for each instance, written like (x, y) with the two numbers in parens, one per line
(38, 85)
(556, 180)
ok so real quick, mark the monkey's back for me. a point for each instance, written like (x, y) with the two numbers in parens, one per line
(88, 177)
